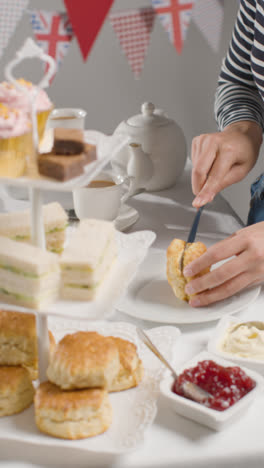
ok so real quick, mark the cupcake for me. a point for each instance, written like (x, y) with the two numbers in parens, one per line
(15, 141)
(14, 98)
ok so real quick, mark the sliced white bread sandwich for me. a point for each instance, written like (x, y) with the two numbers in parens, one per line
(87, 259)
(29, 276)
(16, 226)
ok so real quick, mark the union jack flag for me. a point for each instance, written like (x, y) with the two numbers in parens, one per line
(175, 16)
(53, 32)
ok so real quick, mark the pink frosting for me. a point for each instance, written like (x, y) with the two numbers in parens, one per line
(13, 122)
(14, 98)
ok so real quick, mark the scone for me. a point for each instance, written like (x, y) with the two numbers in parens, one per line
(72, 414)
(18, 341)
(131, 368)
(84, 360)
(174, 275)
(16, 390)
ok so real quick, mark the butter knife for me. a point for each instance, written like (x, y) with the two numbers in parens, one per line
(192, 234)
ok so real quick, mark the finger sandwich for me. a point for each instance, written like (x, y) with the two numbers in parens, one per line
(29, 276)
(16, 226)
(87, 259)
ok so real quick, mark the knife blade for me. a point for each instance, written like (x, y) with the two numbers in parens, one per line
(192, 234)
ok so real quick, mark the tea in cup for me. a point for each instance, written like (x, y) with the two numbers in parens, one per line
(67, 118)
(100, 199)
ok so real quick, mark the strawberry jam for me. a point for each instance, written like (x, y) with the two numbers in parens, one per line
(227, 385)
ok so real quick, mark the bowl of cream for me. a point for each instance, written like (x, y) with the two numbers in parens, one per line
(240, 341)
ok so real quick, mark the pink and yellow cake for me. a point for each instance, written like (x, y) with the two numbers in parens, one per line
(14, 98)
(15, 141)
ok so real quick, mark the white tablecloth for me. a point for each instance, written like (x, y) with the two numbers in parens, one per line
(172, 441)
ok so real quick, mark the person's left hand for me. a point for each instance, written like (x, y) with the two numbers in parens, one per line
(245, 269)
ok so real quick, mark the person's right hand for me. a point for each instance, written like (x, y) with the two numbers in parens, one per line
(223, 158)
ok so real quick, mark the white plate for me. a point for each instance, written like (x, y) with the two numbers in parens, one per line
(138, 404)
(150, 297)
(104, 154)
(132, 249)
(216, 420)
(127, 217)
(215, 342)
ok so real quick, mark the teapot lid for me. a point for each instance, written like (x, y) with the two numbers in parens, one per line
(148, 116)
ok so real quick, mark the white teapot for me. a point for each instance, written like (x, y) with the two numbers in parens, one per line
(160, 140)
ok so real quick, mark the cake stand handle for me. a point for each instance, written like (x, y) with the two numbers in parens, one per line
(43, 345)
(31, 50)
(37, 221)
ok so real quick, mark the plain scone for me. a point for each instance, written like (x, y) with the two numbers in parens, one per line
(175, 277)
(84, 360)
(72, 414)
(18, 341)
(16, 390)
(131, 368)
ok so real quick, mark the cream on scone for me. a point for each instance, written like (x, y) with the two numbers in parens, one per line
(175, 276)
(131, 368)
(16, 390)
(87, 259)
(72, 414)
(84, 360)
(18, 341)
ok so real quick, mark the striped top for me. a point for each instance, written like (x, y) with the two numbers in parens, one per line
(240, 92)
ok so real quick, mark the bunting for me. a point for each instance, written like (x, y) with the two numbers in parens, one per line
(175, 16)
(133, 29)
(11, 12)
(87, 18)
(53, 32)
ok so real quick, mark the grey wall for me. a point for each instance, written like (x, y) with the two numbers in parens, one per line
(183, 85)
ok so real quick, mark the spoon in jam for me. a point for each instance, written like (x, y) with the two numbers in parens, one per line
(190, 390)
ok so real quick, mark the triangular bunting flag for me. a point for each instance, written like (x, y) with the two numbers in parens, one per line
(133, 29)
(208, 15)
(11, 12)
(53, 32)
(87, 17)
(175, 16)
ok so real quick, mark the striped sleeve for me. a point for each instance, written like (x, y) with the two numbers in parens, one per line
(238, 96)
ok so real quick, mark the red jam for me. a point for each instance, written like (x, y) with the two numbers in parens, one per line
(227, 385)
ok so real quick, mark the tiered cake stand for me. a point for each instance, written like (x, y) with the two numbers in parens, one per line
(36, 185)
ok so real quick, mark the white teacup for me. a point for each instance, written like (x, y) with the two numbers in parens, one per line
(67, 118)
(101, 199)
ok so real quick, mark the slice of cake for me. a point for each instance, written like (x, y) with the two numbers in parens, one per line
(87, 259)
(90, 153)
(68, 141)
(29, 276)
(61, 167)
(17, 226)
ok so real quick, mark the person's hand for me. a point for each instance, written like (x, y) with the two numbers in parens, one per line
(245, 269)
(223, 158)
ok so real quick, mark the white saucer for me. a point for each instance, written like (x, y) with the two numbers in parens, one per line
(126, 218)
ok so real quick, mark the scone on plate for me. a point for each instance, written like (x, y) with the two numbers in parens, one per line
(18, 341)
(84, 360)
(131, 368)
(72, 414)
(16, 390)
(174, 275)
